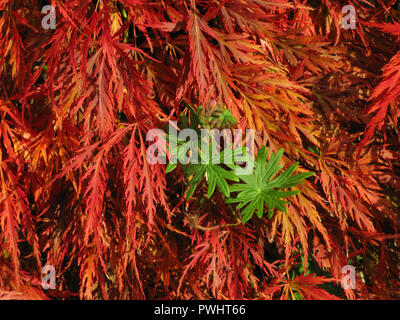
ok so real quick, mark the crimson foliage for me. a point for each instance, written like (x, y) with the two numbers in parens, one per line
(77, 191)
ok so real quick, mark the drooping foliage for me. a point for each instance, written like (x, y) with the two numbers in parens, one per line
(78, 193)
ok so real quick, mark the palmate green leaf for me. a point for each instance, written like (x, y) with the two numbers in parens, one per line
(209, 168)
(213, 172)
(263, 186)
(215, 176)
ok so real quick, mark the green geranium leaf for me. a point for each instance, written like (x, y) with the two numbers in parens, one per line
(263, 187)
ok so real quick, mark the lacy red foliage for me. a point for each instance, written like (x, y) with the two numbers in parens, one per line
(78, 193)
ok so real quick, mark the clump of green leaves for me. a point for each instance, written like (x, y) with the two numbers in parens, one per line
(262, 189)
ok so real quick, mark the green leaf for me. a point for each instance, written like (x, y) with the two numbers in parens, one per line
(263, 187)
(170, 167)
(215, 175)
